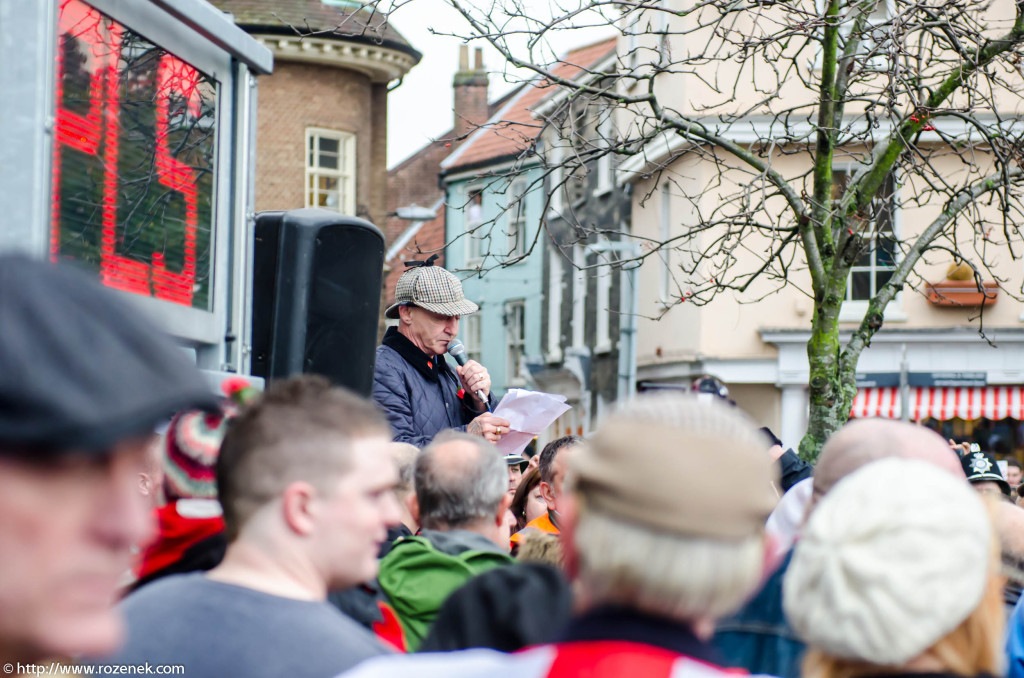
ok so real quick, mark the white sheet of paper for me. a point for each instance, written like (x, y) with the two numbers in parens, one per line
(528, 413)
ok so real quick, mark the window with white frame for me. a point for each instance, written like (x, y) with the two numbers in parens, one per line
(606, 139)
(576, 185)
(331, 170)
(665, 253)
(633, 32)
(661, 28)
(555, 173)
(876, 34)
(878, 263)
(516, 215)
(603, 338)
(581, 134)
(555, 271)
(476, 242)
(471, 336)
(579, 295)
(515, 334)
(873, 38)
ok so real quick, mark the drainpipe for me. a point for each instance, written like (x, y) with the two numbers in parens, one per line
(629, 304)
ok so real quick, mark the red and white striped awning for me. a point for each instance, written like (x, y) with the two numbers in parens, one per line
(942, 403)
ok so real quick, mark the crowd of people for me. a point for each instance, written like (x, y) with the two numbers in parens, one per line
(306, 531)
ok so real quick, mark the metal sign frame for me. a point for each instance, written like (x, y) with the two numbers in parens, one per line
(207, 38)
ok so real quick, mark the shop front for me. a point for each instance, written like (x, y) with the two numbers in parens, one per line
(990, 416)
(952, 380)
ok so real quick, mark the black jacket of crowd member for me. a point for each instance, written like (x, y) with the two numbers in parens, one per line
(793, 469)
(507, 609)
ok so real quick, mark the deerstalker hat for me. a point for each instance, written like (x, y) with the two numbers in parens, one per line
(430, 287)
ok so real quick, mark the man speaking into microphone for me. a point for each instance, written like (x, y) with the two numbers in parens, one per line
(412, 380)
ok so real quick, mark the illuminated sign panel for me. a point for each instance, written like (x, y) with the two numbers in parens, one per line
(134, 160)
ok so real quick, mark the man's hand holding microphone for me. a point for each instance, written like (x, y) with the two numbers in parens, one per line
(477, 383)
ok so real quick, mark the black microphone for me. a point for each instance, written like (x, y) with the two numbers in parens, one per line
(458, 351)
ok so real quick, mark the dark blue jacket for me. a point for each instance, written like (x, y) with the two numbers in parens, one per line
(1015, 641)
(758, 638)
(419, 393)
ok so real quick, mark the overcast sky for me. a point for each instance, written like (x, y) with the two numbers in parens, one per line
(421, 108)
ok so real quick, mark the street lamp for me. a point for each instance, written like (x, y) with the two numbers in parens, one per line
(414, 212)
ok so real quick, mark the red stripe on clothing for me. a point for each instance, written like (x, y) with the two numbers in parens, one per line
(612, 659)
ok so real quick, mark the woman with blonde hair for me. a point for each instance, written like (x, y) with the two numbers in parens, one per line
(896, 574)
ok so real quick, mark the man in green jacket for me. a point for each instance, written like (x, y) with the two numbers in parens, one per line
(461, 502)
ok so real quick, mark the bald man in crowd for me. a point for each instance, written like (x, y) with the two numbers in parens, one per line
(461, 499)
(758, 638)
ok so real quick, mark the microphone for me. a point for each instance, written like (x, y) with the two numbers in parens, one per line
(458, 351)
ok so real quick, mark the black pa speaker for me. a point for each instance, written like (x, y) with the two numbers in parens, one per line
(316, 296)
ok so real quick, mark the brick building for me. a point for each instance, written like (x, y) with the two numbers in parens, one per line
(322, 115)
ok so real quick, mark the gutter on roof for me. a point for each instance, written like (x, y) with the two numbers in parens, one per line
(507, 159)
(277, 29)
(479, 164)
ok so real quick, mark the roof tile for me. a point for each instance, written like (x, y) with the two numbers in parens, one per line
(303, 17)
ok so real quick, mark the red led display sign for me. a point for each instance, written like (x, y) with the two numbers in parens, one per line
(133, 161)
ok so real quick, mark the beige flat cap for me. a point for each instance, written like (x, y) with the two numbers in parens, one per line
(674, 464)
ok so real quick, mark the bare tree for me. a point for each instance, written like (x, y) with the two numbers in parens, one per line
(811, 112)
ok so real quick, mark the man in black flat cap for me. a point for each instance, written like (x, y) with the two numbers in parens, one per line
(83, 382)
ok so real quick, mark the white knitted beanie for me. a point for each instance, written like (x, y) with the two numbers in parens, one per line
(892, 559)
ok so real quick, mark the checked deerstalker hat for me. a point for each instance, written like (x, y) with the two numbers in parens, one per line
(430, 287)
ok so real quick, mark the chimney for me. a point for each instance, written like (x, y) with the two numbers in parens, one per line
(470, 88)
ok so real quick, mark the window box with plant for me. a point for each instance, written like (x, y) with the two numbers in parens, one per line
(961, 288)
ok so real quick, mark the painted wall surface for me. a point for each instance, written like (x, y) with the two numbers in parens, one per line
(729, 327)
(493, 286)
(728, 85)
(762, 402)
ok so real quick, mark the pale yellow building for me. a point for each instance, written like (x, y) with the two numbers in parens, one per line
(756, 341)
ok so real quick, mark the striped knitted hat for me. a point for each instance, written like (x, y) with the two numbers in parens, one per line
(190, 453)
(430, 287)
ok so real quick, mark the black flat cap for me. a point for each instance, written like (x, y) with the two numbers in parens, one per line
(79, 368)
